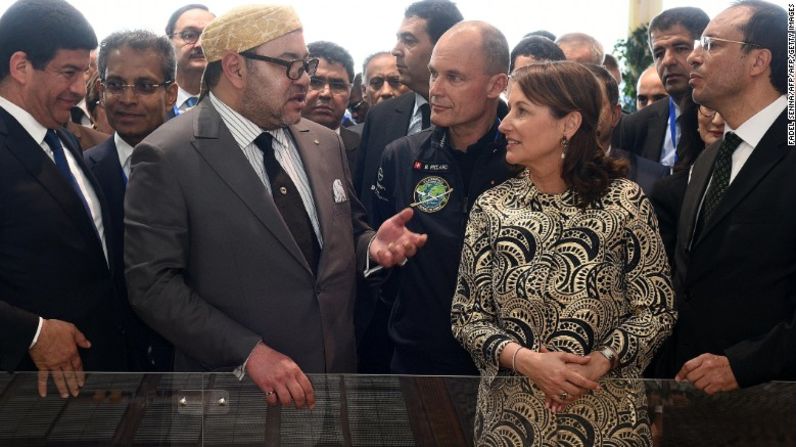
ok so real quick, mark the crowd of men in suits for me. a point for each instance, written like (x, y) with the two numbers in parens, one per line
(240, 219)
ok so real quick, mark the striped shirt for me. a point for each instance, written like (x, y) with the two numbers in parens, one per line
(244, 131)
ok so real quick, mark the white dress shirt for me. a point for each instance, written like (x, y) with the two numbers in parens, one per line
(416, 122)
(124, 151)
(669, 149)
(752, 131)
(182, 97)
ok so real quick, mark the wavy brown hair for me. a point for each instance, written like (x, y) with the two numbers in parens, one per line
(566, 87)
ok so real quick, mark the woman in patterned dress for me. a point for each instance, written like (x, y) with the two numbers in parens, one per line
(564, 288)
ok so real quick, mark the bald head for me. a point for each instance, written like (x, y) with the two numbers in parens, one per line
(649, 88)
(583, 48)
(484, 38)
(469, 69)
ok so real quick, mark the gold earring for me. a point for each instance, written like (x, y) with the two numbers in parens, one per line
(564, 146)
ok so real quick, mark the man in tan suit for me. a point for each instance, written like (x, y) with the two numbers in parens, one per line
(243, 234)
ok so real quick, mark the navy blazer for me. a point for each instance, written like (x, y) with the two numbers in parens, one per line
(52, 263)
(146, 350)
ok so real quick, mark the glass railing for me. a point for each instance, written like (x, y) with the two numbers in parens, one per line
(198, 409)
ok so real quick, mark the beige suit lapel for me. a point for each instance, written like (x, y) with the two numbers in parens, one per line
(218, 148)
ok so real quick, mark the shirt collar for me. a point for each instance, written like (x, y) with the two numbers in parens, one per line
(243, 130)
(25, 119)
(419, 101)
(183, 96)
(753, 129)
(122, 148)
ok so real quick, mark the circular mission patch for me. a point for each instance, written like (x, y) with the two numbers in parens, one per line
(432, 194)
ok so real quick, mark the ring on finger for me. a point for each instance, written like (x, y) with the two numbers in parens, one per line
(269, 394)
(564, 395)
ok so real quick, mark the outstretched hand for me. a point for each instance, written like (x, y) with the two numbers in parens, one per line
(394, 243)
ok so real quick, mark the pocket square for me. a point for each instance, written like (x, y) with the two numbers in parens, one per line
(339, 192)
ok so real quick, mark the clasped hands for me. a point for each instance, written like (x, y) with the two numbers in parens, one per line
(563, 377)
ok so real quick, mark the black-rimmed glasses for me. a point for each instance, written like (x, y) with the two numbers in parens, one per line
(294, 68)
(140, 88)
(707, 42)
(188, 35)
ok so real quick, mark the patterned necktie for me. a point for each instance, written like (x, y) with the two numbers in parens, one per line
(190, 102)
(425, 111)
(288, 201)
(720, 180)
(52, 140)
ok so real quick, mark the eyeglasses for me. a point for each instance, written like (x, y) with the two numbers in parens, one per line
(378, 81)
(140, 88)
(357, 106)
(707, 42)
(295, 68)
(707, 112)
(188, 35)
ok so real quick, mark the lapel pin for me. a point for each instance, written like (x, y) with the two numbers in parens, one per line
(316, 141)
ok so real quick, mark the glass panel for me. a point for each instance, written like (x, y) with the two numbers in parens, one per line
(353, 410)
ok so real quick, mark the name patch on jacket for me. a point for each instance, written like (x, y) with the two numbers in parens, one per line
(431, 194)
(434, 167)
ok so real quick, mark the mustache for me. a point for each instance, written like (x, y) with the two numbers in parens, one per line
(197, 52)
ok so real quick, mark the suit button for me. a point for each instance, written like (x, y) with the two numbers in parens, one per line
(283, 190)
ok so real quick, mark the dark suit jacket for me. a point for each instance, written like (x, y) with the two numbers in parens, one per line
(667, 199)
(147, 351)
(736, 282)
(51, 260)
(643, 171)
(385, 123)
(351, 137)
(212, 266)
(643, 132)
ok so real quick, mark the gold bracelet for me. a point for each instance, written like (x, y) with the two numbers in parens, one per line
(514, 358)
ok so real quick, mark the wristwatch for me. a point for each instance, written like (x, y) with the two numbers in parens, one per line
(609, 353)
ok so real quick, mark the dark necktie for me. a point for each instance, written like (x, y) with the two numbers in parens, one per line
(288, 201)
(720, 180)
(425, 111)
(52, 140)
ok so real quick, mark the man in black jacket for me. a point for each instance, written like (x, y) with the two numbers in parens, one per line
(424, 22)
(736, 264)
(439, 172)
(654, 132)
(57, 290)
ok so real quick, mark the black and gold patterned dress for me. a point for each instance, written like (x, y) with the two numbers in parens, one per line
(537, 270)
